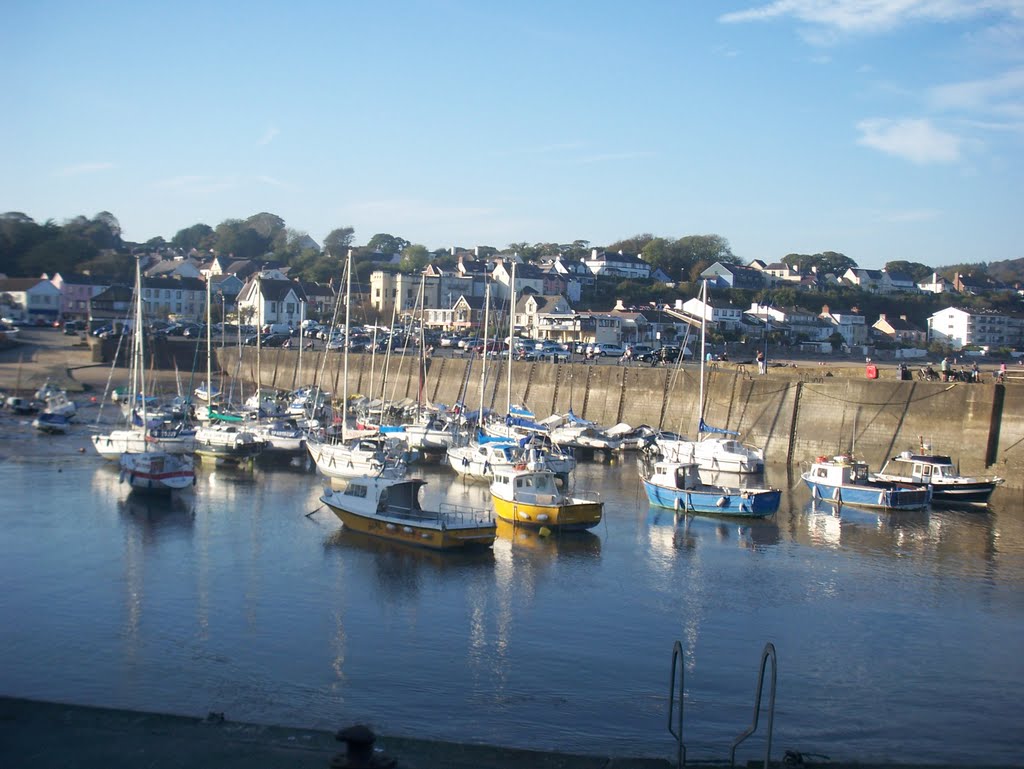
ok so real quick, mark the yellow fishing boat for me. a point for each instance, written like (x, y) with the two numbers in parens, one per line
(530, 497)
(389, 507)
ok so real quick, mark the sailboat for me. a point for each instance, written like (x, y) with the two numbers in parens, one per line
(367, 455)
(223, 439)
(150, 470)
(716, 449)
(674, 481)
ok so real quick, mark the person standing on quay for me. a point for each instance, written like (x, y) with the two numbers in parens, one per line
(762, 364)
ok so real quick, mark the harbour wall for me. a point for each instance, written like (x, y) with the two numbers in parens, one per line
(795, 414)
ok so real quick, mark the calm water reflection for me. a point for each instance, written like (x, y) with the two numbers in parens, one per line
(897, 635)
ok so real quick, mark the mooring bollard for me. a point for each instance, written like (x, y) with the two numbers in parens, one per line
(359, 753)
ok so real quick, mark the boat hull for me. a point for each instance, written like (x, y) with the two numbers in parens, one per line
(428, 535)
(157, 473)
(577, 515)
(878, 497)
(976, 493)
(735, 502)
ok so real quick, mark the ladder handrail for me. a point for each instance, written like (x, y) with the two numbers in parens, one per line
(677, 732)
(769, 652)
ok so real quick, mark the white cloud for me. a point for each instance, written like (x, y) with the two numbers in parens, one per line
(418, 210)
(196, 185)
(875, 15)
(1003, 94)
(269, 136)
(613, 156)
(83, 168)
(913, 215)
(915, 140)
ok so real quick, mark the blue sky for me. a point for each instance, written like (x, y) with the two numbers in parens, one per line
(884, 129)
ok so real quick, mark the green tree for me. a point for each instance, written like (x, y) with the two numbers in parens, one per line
(915, 270)
(633, 245)
(414, 258)
(825, 262)
(199, 236)
(383, 243)
(339, 240)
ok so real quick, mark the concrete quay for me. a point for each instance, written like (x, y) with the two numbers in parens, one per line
(795, 412)
(46, 735)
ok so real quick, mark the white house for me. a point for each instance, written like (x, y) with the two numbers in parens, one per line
(959, 327)
(31, 299)
(936, 284)
(266, 298)
(851, 326)
(720, 312)
(619, 264)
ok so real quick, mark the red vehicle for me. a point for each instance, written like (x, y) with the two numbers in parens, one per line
(494, 346)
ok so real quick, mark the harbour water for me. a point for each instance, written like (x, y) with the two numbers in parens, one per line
(898, 636)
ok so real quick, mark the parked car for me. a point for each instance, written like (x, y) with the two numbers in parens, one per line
(552, 351)
(608, 350)
(493, 347)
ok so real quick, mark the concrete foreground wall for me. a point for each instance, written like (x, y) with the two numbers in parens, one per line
(794, 414)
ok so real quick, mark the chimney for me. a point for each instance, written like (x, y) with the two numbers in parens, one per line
(881, 316)
(824, 309)
(619, 306)
(903, 317)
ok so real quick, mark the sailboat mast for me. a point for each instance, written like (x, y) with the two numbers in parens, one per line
(348, 338)
(703, 341)
(302, 340)
(511, 335)
(259, 346)
(209, 351)
(483, 365)
(139, 362)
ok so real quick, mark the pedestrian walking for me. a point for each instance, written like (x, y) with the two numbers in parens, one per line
(762, 364)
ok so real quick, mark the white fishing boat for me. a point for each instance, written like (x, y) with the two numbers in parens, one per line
(390, 508)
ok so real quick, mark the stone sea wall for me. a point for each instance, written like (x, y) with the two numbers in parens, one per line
(794, 413)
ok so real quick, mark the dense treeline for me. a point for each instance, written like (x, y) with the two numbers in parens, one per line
(95, 245)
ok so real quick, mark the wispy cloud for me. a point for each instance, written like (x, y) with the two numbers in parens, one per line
(197, 185)
(911, 139)
(910, 216)
(269, 136)
(418, 210)
(83, 168)
(875, 15)
(1002, 94)
(607, 157)
(272, 181)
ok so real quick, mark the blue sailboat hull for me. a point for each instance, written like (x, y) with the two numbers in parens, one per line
(749, 503)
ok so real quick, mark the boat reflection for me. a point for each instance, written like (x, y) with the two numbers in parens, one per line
(865, 529)
(681, 531)
(562, 543)
(156, 513)
(399, 556)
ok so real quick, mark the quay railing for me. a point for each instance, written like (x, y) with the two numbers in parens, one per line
(675, 709)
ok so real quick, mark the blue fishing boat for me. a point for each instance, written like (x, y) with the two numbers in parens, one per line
(843, 480)
(677, 485)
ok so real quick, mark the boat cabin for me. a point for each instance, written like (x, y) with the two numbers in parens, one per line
(922, 468)
(529, 488)
(839, 471)
(676, 475)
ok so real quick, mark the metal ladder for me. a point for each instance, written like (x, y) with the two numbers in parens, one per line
(676, 729)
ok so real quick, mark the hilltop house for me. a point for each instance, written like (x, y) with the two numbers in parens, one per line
(900, 330)
(727, 275)
(620, 264)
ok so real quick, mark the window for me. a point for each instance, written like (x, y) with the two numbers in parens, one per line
(177, 294)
